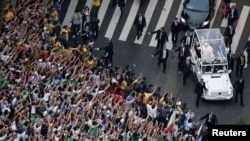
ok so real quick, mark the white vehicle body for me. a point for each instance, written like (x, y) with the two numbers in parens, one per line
(209, 56)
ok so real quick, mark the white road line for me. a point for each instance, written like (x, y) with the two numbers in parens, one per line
(239, 28)
(70, 12)
(169, 44)
(224, 20)
(148, 16)
(113, 23)
(215, 12)
(102, 11)
(249, 38)
(130, 20)
(88, 3)
(162, 20)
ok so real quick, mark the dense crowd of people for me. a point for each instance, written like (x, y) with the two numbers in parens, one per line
(52, 91)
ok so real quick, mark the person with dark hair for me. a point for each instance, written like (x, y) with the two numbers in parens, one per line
(199, 91)
(162, 58)
(121, 4)
(108, 54)
(175, 29)
(240, 64)
(161, 37)
(210, 119)
(239, 87)
(247, 49)
(140, 23)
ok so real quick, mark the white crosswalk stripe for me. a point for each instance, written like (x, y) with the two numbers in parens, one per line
(151, 9)
(148, 15)
(162, 20)
(239, 28)
(130, 19)
(113, 23)
(215, 12)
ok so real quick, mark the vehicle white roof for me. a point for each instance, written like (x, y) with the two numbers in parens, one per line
(212, 45)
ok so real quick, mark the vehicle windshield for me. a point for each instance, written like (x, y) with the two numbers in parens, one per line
(197, 5)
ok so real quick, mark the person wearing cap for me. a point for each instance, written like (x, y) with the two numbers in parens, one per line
(161, 37)
(162, 58)
(200, 86)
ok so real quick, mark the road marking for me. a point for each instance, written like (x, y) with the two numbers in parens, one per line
(89, 4)
(224, 20)
(162, 20)
(70, 12)
(239, 28)
(113, 23)
(102, 11)
(148, 16)
(215, 11)
(130, 20)
(169, 44)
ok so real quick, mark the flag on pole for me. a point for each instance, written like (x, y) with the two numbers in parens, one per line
(171, 122)
(199, 132)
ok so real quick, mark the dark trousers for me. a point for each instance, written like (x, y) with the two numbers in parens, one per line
(198, 99)
(164, 62)
(139, 30)
(229, 40)
(75, 28)
(248, 57)
(108, 59)
(160, 44)
(174, 37)
(181, 59)
(94, 11)
(239, 68)
(241, 96)
(185, 76)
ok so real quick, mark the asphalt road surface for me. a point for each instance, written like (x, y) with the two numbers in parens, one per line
(129, 51)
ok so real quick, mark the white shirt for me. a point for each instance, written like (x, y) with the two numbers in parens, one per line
(46, 97)
(164, 54)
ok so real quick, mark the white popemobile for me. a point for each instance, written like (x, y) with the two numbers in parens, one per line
(209, 56)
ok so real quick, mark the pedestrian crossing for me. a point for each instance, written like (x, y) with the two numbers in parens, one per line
(154, 9)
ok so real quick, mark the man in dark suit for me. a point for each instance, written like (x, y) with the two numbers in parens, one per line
(248, 51)
(162, 57)
(140, 23)
(239, 87)
(187, 40)
(182, 55)
(232, 15)
(161, 37)
(175, 29)
(229, 33)
(186, 69)
(230, 61)
(199, 91)
(121, 4)
(240, 63)
(210, 119)
(108, 54)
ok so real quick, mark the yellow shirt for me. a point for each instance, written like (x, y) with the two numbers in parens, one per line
(96, 2)
(54, 15)
(9, 16)
(146, 97)
(66, 31)
(123, 85)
